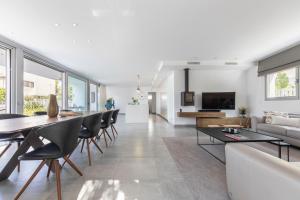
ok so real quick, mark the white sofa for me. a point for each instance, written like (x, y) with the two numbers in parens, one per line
(254, 175)
(289, 134)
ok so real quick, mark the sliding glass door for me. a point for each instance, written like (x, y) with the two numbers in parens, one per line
(77, 94)
(4, 79)
(39, 82)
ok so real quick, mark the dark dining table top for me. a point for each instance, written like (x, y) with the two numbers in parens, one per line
(11, 126)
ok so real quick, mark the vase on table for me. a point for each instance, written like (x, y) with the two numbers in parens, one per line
(52, 110)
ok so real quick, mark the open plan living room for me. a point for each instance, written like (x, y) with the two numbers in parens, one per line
(149, 100)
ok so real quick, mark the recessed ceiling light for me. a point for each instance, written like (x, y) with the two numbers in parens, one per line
(74, 41)
(56, 24)
(74, 25)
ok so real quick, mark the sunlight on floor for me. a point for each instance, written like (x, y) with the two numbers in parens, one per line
(109, 190)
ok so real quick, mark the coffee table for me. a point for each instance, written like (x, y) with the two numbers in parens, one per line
(280, 145)
(244, 136)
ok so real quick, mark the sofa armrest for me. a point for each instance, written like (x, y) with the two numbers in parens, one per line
(252, 174)
(255, 121)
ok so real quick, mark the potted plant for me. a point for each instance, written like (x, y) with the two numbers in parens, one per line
(243, 111)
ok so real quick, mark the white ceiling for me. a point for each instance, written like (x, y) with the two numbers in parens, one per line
(115, 40)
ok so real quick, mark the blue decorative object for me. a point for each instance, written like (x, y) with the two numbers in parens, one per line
(110, 103)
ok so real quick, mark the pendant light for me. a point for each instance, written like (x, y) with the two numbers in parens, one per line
(138, 89)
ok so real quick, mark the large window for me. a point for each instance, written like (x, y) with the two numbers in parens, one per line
(282, 84)
(77, 94)
(4, 79)
(39, 82)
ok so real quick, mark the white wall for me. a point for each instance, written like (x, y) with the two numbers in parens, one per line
(256, 97)
(123, 94)
(209, 81)
(165, 98)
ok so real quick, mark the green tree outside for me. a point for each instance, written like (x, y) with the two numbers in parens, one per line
(281, 81)
(2, 95)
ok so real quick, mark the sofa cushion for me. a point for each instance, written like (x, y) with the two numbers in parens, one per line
(270, 128)
(293, 132)
(285, 121)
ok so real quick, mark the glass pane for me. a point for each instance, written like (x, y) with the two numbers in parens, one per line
(93, 93)
(4, 64)
(39, 82)
(282, 84)
(77, 94)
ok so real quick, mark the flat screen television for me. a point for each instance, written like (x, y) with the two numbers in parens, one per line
(218, 100)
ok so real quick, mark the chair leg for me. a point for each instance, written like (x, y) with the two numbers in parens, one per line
(88, 150)
(57, 174)
(19, 164)
(107, 134)
(73, 165)
(112, 130)
(5, 149)
(115, 129)
(49, 168)
(30, 179)
(95, 143)
(70, 154)
(82, 145)
(104, 138)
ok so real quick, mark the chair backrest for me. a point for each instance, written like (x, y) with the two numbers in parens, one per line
(115, 115)
(106, 117)
(64, 134)
(93, 123)
(40, 113)
(11, 116)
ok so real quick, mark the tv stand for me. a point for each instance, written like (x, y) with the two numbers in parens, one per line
(209, 110)
(201, 114)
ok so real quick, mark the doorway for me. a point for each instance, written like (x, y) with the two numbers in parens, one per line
(152, 102)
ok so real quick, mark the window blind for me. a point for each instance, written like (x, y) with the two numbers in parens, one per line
(280, 61)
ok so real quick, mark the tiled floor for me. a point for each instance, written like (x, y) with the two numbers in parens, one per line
(147, 161)
(137, 166)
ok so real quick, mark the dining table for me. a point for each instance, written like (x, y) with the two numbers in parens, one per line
(27, 127)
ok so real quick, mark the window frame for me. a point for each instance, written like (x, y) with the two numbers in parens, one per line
(10, 65)
(283, 98)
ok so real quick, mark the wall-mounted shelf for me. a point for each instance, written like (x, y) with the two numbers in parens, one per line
(201, 114)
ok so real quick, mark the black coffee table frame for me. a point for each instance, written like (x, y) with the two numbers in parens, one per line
(249, 136)
(280, 145)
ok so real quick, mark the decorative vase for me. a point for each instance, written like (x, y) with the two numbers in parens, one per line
(52, 106)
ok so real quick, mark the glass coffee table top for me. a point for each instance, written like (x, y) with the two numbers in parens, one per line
(244, 135)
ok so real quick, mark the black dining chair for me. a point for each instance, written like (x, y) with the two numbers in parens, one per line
(105, 124)
(90, 129)
(63, 137)
(114, 118)
(9, 138)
